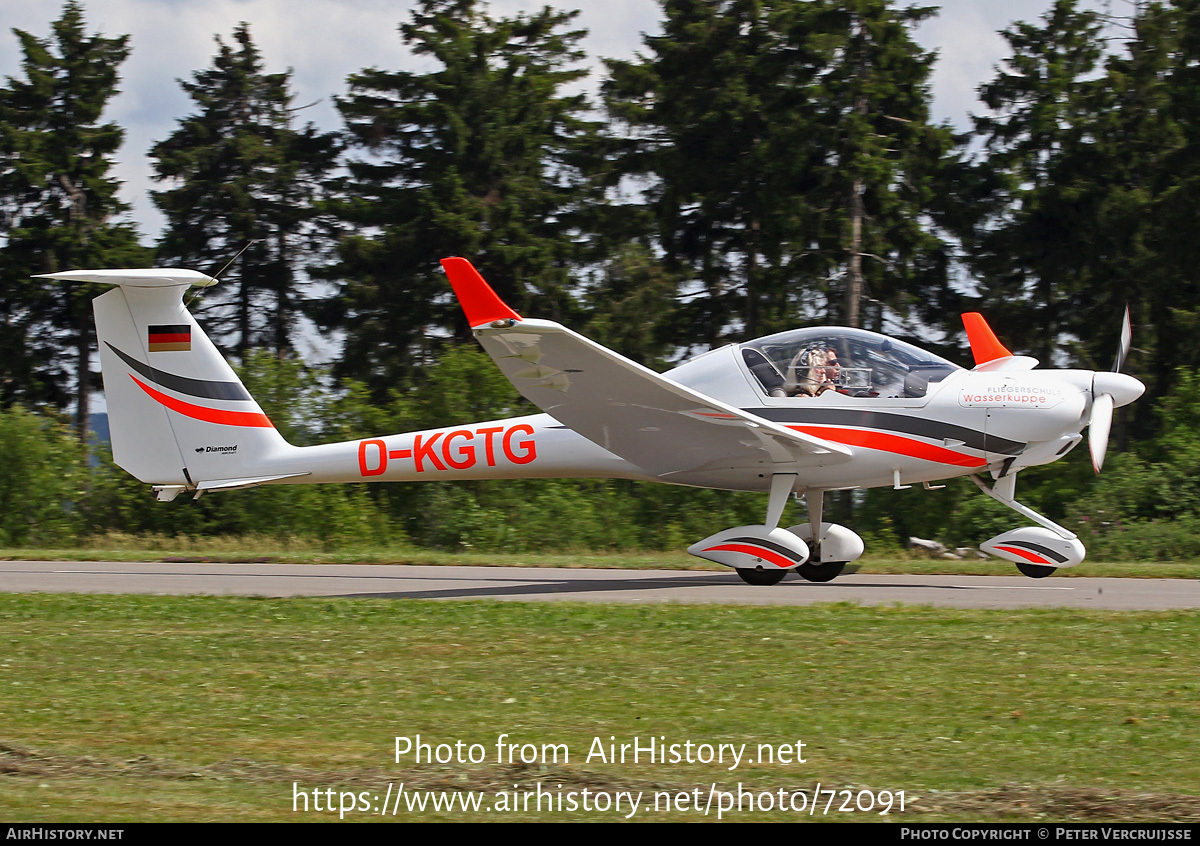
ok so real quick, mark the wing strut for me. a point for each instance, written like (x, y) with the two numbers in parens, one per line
(782, 485)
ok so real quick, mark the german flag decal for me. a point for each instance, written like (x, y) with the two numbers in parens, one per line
(170, 338)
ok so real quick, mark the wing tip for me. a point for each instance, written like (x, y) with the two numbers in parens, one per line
(985, 346)
(479, 302)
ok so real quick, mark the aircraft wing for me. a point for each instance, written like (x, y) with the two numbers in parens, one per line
(629, 410)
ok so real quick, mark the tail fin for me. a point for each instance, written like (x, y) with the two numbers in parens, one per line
(180, 418)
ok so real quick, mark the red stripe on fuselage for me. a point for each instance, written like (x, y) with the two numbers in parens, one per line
(891, 443)
(208, 415)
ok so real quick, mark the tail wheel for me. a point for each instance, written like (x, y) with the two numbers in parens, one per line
(761, 578)
(1036, 571)
(821, 572)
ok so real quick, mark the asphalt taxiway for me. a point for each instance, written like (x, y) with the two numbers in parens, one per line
(529, 584)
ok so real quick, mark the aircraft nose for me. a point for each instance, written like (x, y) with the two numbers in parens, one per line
(1123, 388)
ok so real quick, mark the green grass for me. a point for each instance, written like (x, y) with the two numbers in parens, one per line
(160, 708)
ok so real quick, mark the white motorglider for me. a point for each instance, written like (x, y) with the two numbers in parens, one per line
(805, 411)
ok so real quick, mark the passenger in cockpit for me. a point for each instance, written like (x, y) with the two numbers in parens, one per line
(817, 371)
(853, 362)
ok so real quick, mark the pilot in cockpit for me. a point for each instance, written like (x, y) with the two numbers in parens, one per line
(852, 363)
(815, 371)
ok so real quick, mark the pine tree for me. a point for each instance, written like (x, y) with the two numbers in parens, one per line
(790, 160)
(1034, 182)
(1088, 175)
(884, 163)
(1125, 212)
(241, 176)
(60, 210)
(482, 157)
(703, 133)
(1163, 125)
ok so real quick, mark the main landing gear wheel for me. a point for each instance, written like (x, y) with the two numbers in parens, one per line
(827, 572)
(761, 578)
(1036, 571)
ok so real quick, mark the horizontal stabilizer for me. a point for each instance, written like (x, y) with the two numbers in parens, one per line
(150, 277)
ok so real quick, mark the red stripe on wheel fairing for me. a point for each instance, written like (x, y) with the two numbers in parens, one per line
(758, 551)
(1028, 556)
(208, 415)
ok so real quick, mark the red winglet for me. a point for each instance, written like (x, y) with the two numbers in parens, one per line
(984, 344)
(476, 297)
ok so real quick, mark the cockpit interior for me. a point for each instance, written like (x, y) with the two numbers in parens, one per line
(851, 362)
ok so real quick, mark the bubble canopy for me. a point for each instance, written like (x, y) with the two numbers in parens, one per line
(852, 362)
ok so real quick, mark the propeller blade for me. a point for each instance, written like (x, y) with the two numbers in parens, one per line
(1126, 341)
(1098, 428)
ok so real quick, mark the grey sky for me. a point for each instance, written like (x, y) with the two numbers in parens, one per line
(324, 41)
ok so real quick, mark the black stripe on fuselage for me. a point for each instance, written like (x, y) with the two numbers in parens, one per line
(887, 422)
(184, 385)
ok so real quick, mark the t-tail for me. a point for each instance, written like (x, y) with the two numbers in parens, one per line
(180, 418)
